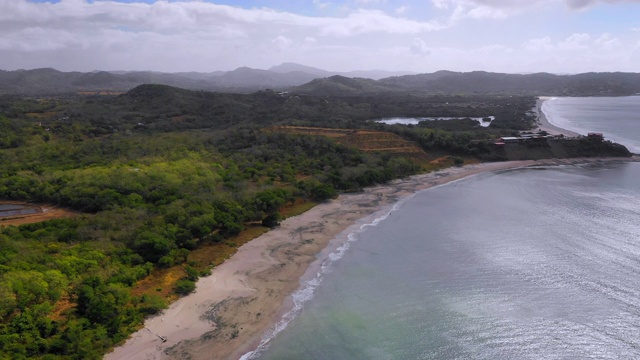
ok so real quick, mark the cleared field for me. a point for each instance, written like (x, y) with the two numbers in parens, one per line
(365, 140)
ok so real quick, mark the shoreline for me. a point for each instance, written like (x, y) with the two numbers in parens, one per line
(231, 309)
(543, 123)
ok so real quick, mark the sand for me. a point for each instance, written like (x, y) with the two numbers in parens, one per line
(246, 295)
(544, 124)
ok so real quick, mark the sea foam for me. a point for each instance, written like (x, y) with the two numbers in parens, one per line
(308, 288)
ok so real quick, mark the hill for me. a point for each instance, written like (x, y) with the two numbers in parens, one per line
(343, 86)
(480, 82)
(313, 81)
(242, 80)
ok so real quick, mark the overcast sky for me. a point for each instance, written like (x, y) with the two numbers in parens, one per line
(516, 36)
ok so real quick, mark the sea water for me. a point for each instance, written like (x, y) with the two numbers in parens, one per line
(535, 263)
(618, 118)
(524, 264)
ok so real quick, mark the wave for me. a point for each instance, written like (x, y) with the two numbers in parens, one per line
(308, 288)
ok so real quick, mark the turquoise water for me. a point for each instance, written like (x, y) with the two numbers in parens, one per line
(618, 118)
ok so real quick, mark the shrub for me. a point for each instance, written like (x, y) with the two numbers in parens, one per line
(184, 287)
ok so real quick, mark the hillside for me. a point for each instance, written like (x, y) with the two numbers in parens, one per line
(559, 149)
(480, 82)
(241, 80)
(365, 140)
(343, 86)
(307, 80)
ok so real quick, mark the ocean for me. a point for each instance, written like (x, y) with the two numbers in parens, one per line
(618, 118)
(534, 263)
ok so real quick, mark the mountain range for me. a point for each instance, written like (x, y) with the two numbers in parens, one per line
(313, 81)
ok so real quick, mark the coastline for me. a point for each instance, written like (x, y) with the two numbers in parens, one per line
(543, 123)
(242, 298)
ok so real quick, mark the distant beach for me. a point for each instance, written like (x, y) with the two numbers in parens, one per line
(544, 124)
(242, 298)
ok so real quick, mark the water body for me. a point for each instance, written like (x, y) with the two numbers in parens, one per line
(416, 121)
(16, 209)
(522, 264)
(618, 118)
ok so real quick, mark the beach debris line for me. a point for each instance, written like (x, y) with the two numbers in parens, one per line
(162, 338)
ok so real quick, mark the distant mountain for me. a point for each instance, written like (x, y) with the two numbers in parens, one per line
(375, 74)
(368, 74)
(50, 81)
(247, 78)
(343, 86)
(480, 82)
(293, 67)
(309, 80)
(243, 80)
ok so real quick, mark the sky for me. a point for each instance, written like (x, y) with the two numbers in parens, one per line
(512, 36)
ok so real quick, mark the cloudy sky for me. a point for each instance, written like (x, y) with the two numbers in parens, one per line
(516, 36)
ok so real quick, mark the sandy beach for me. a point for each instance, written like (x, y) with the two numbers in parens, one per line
(544, 124)
(232, 308)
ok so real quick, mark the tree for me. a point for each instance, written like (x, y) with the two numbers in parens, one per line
(271, 220)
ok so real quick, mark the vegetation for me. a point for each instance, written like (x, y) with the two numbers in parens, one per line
(160, 173)
(317, 82)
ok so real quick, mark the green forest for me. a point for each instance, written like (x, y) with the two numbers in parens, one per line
(155, 174)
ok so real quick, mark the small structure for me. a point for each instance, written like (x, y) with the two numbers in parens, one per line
(594, 135)
(510, 139)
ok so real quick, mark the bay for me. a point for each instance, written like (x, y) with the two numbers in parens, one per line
(524, 264)
(618, 118)
(534, 263)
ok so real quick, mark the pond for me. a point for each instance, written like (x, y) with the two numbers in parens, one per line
(13, 209)
(483, 121)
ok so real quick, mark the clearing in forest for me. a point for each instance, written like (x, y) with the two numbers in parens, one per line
(365, 140)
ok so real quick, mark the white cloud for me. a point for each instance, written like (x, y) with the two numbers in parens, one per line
(204, 36)
(402, 10)
(608, 42)
(541, 44)
(581, 4)
(419, 47)
(375, 21)
(320, 4)
(282, 42)
(504, 8)
(575, 42)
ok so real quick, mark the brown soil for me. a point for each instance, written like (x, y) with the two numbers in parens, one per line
(365, 140)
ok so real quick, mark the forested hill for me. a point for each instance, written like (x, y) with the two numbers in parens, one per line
(241, 80)
(166, 108)
(305, 80)
(344, 86)
(587, 84)
(165, 183)
(480, 82)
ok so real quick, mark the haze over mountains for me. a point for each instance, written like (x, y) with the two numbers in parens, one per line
(313, 81)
